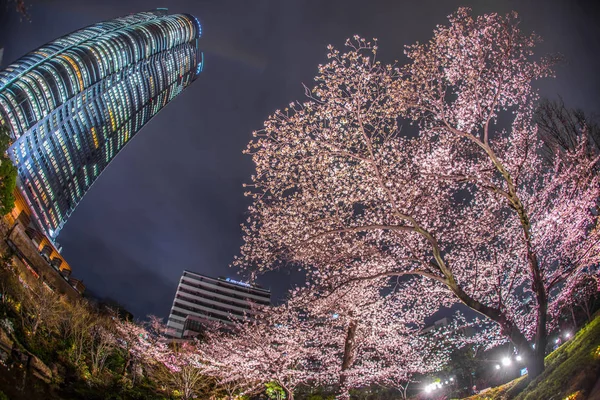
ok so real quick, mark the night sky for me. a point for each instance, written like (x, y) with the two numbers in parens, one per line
(173, 198)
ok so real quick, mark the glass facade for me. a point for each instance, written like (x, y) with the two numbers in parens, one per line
(74, 103)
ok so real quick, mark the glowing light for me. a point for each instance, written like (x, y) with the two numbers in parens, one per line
(519, 358)
(557, 341)
(497, 366)
(433, 386)
(200, 66)
(451, 379)
(238, 282)
(568, 335)
(95, 137)
(506, 361)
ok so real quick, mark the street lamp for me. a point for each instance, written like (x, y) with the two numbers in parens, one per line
(506, 361)
(432, 386)
(519, 358)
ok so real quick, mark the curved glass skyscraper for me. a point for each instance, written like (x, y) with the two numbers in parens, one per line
(74, 103)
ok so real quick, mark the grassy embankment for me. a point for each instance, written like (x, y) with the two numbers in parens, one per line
(571, 372)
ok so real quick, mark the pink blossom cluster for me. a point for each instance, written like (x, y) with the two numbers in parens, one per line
(461, 202)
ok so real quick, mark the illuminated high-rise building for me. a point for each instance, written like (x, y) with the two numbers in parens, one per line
(74, 103)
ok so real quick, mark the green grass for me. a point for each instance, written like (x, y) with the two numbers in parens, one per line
(572, 368)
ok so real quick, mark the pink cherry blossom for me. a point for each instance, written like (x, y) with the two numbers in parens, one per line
(461, 202)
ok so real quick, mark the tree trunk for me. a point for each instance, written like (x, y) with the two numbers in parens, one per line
(535, 356)
(541, 335)
(348, 358)
(586, 307)
(537, 279)
(404, 390)
(535, 366)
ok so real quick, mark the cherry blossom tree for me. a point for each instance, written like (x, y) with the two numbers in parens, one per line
(346, 339)
(180, 369)
(580, 292)
(141, 346)
(218, 352)
(251, 354)
(219, 358)
(364, 338)
(462, 203)
(177, 366)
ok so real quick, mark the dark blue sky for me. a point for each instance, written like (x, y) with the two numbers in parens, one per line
(173, 199)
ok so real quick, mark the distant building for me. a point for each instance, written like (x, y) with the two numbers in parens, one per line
(443, 324)
(437, 325)
(74, 103)
(200, 299)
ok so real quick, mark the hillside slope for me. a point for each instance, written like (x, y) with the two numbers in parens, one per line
(571, 372)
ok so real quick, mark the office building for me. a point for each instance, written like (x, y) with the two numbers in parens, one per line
(201, 299)
(74, 103)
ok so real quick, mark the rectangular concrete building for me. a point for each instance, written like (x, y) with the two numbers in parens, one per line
(200, 299)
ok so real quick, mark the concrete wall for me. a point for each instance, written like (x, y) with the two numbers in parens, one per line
(30, 252)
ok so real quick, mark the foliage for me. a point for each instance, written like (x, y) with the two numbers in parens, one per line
(580, 293)
(464, 206)
(462, 366)
(351, 339)
(95, 355)
(246, 356)
(562, 129)
(320, 396)
(572, 368)
(8, 174)
(388, 226)
(274, 391)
